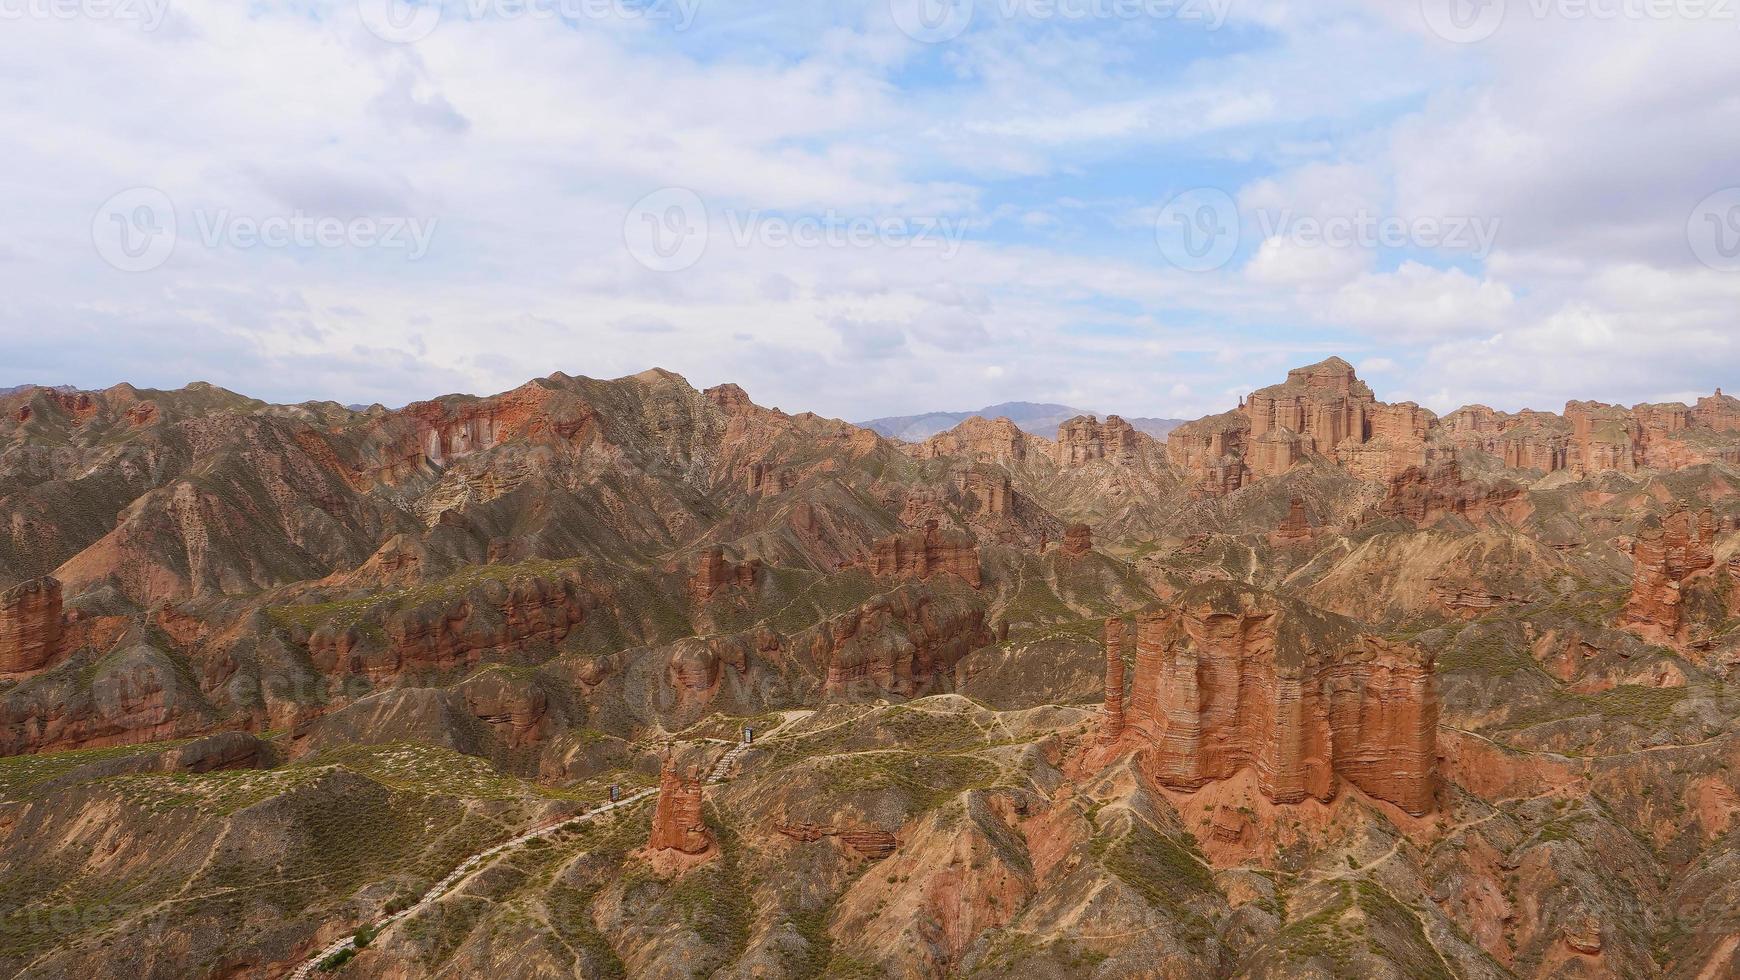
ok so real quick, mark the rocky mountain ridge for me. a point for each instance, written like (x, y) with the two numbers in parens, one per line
(1323, 686)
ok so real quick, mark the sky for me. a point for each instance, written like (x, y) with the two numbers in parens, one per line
(875, 207)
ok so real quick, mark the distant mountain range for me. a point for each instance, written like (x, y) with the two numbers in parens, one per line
(1035, 418)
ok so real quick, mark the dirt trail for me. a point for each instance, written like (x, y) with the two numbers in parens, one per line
(474, 863)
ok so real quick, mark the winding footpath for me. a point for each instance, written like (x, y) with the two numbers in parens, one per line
(470, 865)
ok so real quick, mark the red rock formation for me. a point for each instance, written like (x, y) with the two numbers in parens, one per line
(1603, 437)
(991, 494)
(1426, 495)
(730, 399)
(715, 573)
(1295, 528)
(1115, 642)
(872, 844)
(678, 824)
(1078, 541)
(1719, 412)
(30, 627)
(921, 554)
(1667, 552)
(516, 711)
(1210, 453)
(898, 643)
(766, 481)
(697, 666)
(495, 620)
(989, 440)
(1084, 439)
(1231, 678)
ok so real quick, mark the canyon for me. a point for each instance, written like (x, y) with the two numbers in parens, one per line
(1318, 686)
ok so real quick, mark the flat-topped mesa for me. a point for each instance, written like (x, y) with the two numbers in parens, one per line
(921, 554)
(1115, 641)
(1085, 439)
(988, 440)
(1230, 678)
(715, 572)
(1604, 437)
(1527, 440)
(30, 626)
(1078, 541)
(1323, 404)
(678, 823)
(1668, 551)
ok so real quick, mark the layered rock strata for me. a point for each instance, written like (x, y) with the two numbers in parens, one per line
(678, 824)
(1230, 678)
(921, 554)
(1667, 552)
(30, 626)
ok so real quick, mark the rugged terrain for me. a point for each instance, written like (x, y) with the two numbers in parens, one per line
(1319, 687)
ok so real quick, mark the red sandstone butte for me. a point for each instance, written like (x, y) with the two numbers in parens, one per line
(1084, 439)
(1231, 678)
(1669, 550)
(30, 626)
(715, 572)
(1078, 541)
(677, 823)
(921, 554)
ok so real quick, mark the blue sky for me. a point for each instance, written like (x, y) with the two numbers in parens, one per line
(844, 217)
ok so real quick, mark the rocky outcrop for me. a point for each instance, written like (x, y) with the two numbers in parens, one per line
(1604, 437)
(1427, 495)
(897, 644)
(30, 627)
(495, 619)
(985, 440)
(1078, 541)
(1718, 413)
(1085, 439)
(678, 824)
(921, 554)
(1296, 528)
(1230, 678)
(715, 573)
(1667, 552)
(1210, 453)
(987, 494)
(1115, 642)
(865, 842)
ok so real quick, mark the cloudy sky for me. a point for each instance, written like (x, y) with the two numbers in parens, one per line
(872, 207)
